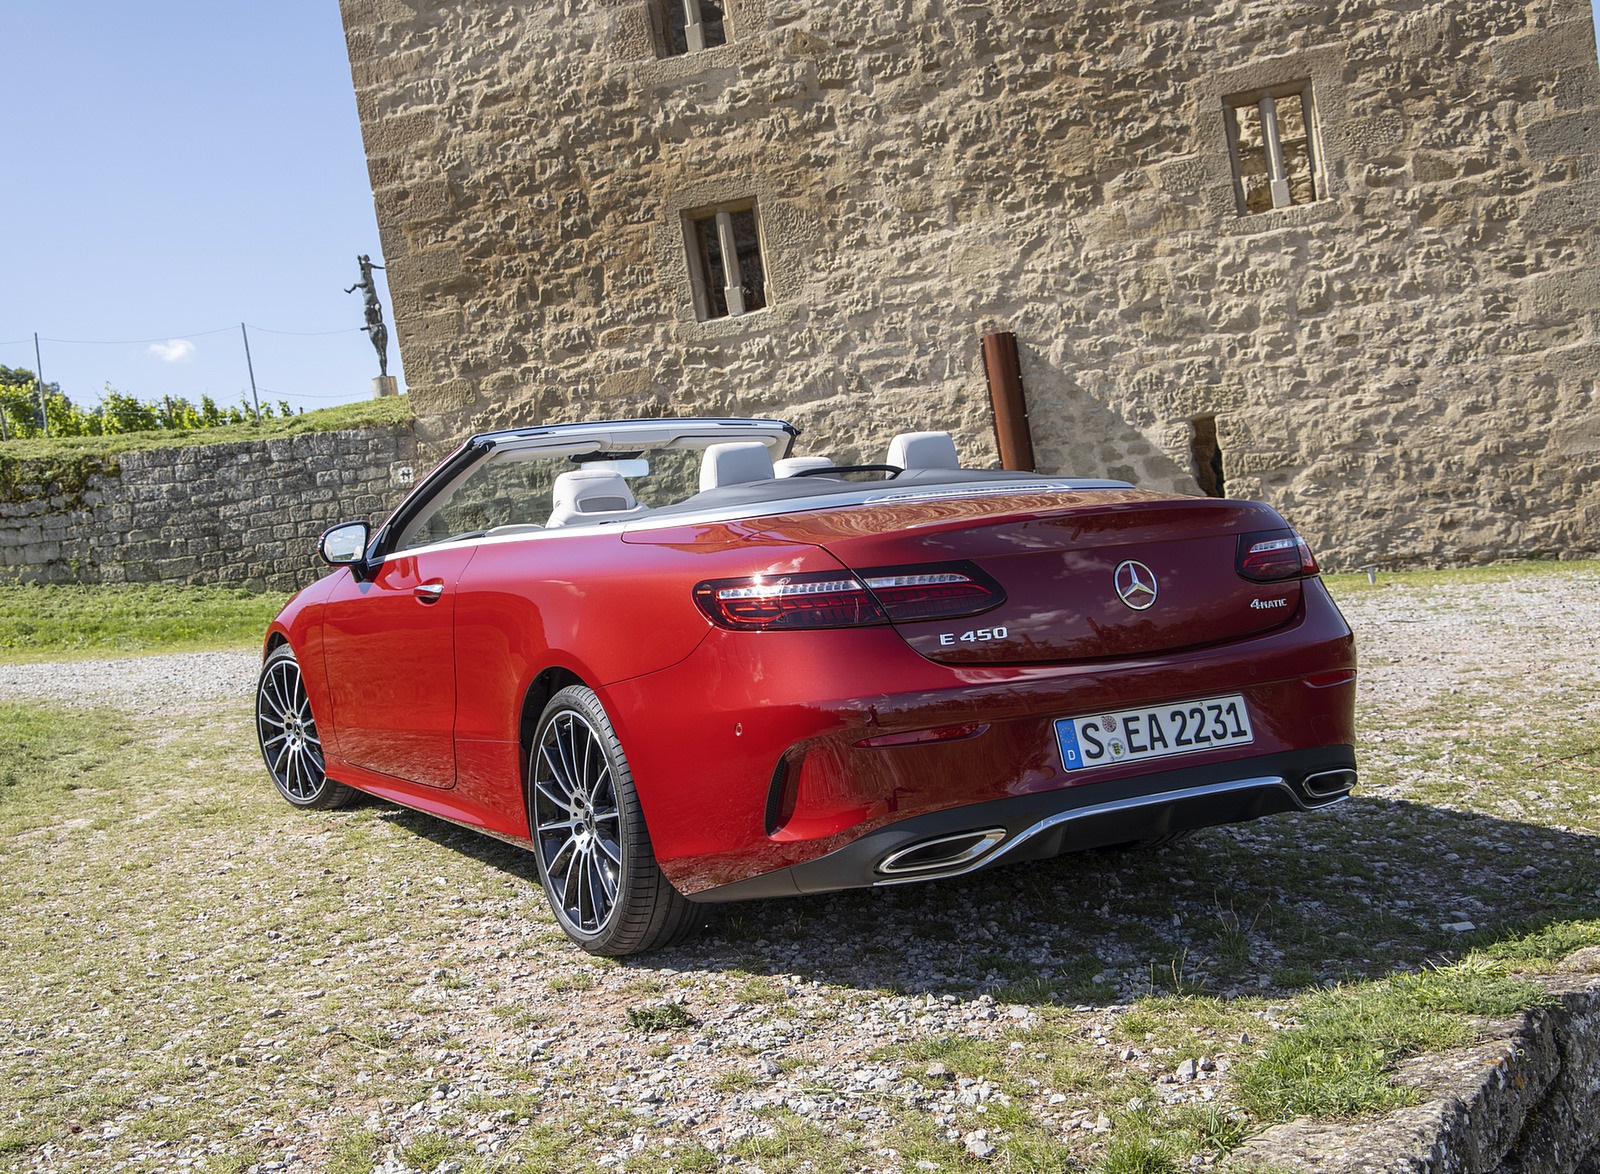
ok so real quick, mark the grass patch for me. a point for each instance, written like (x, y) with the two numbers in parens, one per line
(40, 621)
(759, 988)
(374, 413)
(1547, 946)
(47, 755)
(431, 1150)
(174, 931)
(737, 1080)
(657, 1017)
(1137, 1155)
(573, 982)
(354, 1153)
(1355, 582)
(1341, 1060)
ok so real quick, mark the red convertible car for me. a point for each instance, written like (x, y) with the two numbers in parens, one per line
(682, 666)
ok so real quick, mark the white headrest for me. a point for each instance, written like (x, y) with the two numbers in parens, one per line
(734, 464)
(923, 450)
(582, 492)
(789, 466)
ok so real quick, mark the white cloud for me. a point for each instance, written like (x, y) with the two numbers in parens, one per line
(174, 350)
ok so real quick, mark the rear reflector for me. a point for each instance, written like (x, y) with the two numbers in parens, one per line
(1330, 679)
(1270, 555)
(918, 737)
(765, 603)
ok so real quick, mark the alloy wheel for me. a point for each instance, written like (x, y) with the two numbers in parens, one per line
(577, 821)
(288, 735)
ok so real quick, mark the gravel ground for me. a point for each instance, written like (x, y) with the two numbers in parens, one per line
(845, 981)
(147, 686)
(1415, 647)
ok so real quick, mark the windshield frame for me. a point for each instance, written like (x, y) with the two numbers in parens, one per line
(557, 440)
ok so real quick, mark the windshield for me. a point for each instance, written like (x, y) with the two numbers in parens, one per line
(513, 488)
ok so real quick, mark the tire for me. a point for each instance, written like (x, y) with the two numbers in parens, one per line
(288, 737)
(595, 861)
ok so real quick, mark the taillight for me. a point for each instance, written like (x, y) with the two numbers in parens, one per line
(925, 593)
(767, 603)
(1270, 555)
(1308, 561)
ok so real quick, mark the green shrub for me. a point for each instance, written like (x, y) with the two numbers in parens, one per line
(118, 414)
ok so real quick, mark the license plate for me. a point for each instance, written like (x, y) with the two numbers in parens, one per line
(1157, 731)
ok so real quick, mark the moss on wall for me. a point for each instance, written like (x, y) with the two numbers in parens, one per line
(61, 479)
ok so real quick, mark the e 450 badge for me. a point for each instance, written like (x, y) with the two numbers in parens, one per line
(974, 636)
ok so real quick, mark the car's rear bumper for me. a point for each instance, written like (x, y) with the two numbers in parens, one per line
(763, 752)
(1039, 826)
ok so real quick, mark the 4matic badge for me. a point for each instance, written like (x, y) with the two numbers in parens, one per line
(1264, 604)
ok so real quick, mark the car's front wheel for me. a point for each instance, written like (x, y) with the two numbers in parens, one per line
(595, 860)
(288, 735)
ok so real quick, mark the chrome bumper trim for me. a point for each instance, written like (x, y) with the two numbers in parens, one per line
(1162, 799)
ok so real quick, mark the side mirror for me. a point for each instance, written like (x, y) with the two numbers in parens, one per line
(345, 545)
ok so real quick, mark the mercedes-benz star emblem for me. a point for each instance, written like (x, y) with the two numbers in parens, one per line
(1136, 585)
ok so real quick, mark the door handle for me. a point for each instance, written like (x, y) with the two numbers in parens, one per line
(428, 592)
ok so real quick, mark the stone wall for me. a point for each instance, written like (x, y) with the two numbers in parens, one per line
(1525, 1100)
(1405, 367)
(247, 513)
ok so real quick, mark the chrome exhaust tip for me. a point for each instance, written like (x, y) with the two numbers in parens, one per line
(930, 857)
(1328, 783)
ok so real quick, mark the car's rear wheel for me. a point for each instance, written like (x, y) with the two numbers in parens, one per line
(595, 860)
(288, 735)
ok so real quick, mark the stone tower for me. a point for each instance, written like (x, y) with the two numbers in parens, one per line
(1338, 257)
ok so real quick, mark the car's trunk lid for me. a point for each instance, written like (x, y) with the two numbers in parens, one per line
(1089, 574)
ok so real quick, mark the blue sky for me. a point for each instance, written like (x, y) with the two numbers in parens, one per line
(179, 168)
(175, 169)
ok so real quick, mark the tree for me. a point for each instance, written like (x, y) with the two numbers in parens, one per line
(22, 377)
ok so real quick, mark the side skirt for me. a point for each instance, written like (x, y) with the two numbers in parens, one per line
(446, 805)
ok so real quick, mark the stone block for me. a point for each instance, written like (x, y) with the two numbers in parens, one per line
(632, 38)
(1567, 134)
(1566, 292)
(1562, 210)
(434, 268)
(414, 202)
(437, 329)
(392, 135)
(1565, 45)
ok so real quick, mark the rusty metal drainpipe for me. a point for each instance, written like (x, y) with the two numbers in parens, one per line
(1010, 407)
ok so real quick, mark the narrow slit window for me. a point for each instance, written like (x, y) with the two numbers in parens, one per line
(689, 26)
(1207, 454)
(1274, 156)
(726, 270)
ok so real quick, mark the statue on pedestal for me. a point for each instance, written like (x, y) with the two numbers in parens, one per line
(375, 329)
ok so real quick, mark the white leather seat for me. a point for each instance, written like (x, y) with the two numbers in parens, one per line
(735, 463)
(790, 466)
(591, 495)
(923, 450)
